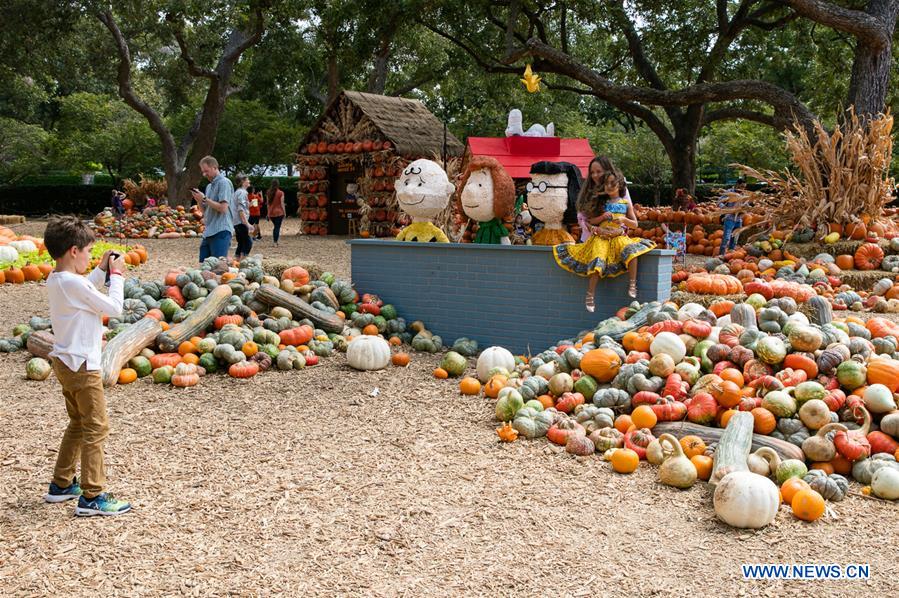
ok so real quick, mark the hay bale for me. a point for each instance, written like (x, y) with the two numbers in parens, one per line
(864, 280)
(844, 246)
(681, 297)
(6, 219)
(277, 267)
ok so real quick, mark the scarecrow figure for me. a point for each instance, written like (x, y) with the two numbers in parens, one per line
(423, 192)
(552, 199)
(487, 195)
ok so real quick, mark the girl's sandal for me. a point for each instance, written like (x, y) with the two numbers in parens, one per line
(588, 302)
(632, 289)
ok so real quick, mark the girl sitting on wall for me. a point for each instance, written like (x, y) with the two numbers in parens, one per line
(608, 252)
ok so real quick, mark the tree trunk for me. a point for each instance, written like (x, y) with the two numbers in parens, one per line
(333, 76)
(683, 168)
(871, 66)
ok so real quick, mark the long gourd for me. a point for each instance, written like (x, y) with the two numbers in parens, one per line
(196, 322)
(732, 452)
(616, 328)
(275, 297)
(124, 346)
(785, 450)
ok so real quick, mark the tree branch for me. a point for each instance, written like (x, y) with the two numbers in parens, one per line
(635, 45)
(126, 91)
(240, 41)
(192, 67)
(864, 27)
(734, 113)
(490, 68)
(786, 105)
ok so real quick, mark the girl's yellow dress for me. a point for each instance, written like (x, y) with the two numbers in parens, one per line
(606, 257)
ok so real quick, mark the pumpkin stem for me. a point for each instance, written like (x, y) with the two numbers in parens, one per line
(830, 427)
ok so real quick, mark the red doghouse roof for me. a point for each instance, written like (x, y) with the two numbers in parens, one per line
(517, 154)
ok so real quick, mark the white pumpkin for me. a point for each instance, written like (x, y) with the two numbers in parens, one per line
(494, 357)
(669, 343)
(547, 370)
(368, 352)
(746, 500)
(23, 246)
(885, 483)
(879, 399)
(8, 253)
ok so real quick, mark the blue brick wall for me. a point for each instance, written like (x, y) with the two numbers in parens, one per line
(513, 296)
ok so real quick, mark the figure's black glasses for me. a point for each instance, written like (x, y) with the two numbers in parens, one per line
(542, 187)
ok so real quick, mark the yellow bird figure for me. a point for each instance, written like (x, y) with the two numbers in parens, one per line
(531, 80)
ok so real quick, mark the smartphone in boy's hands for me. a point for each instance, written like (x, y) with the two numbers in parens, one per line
(112, 256)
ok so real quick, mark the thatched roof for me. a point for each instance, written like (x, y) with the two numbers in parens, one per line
(408, 124)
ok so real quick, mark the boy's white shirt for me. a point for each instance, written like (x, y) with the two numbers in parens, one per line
(77, 308)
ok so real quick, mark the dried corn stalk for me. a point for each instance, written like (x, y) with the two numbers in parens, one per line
(139, 192)
(840, 177)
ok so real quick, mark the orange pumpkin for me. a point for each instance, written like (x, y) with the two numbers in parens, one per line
(703, 465)
(623, 423)
(401, 360)
(764, 421)
(637, 341)
(546, 401)
(868, 256)
(127, 376)
(625, 460)
(441, 374)
(884, 371)
(793, 485)
(845, 261)
(807, 505)
(644, 417)
(14, 275)
(370, 330)
(469, 386)
(190, 358)
(31, 273)
(732, 375)
(250, 348)
(602, 364)
(297, 274)
(692, 446)
(855, 231)
(728, 394)
(493, 386)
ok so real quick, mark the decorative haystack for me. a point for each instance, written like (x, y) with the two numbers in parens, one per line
(146, 187)
(840, 178)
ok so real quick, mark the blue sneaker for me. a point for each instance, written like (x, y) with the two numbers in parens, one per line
(102, 504)
(57, 494)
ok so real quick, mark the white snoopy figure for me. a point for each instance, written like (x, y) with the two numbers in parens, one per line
(514, 127)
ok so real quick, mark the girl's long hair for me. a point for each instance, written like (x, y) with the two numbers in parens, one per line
(592, 194)
(272, 189)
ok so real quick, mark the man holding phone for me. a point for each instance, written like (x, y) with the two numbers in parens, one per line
(216, 214)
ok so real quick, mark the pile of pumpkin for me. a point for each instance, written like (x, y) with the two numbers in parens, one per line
(792, 276)
(234, 318)
(25, 259)
(813, 399)
(161, 222)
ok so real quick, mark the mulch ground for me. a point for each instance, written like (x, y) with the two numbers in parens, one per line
(329, 481)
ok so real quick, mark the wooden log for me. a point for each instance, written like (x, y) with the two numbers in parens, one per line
(40, 343)
(126, 345)
(784, 449)
(196, 322)
(275, 297)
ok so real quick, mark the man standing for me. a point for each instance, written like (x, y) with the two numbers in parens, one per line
(216, 215)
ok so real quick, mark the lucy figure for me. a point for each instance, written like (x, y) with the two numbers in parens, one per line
(609, 251)
(488, 197)
(423, 192)
(552, 195)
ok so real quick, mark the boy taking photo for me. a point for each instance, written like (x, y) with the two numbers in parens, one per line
(77, 308)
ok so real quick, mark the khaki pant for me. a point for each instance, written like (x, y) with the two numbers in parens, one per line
(87, 431)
